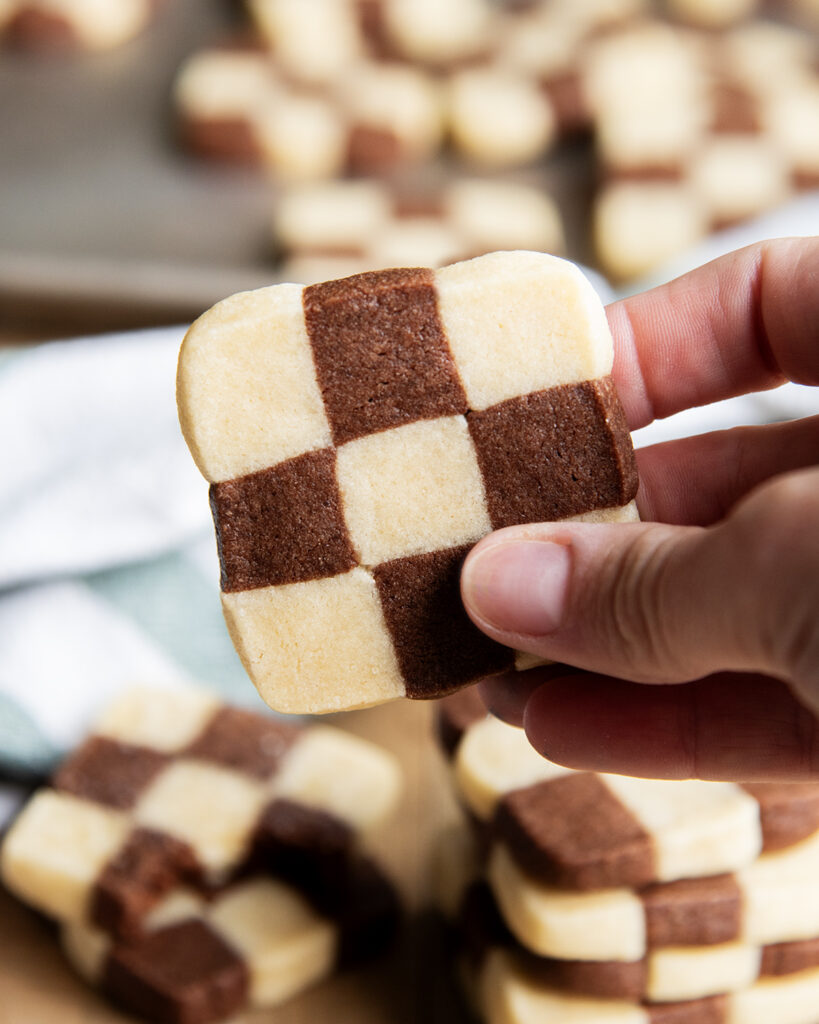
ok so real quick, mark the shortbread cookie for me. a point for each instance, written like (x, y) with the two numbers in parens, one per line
(508, 994)
(360, 435)
(47, 25)
(233, 105)
(584, 830)
(663, 975)
(202, 957)
(499, 118)
(338, 228)
(173, 786)
(773, 899)
(394, 115)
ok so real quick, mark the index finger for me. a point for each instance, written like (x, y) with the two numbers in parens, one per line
(744, 322)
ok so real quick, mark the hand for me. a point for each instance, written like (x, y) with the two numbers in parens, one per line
(718, 591)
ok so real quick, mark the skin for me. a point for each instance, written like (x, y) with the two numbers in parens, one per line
(686, 646)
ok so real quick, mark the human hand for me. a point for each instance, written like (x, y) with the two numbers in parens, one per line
(718, 591)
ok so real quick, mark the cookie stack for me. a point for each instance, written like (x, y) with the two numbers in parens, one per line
(600, 898)
(200, 859)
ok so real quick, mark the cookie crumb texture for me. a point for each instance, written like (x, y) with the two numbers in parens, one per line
(360, 435)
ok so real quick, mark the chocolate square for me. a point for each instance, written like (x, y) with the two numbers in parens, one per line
(711, 1010)
(381, 354)
(556, 453)
(281, 525)
(454, 715)
(438, 647)
(183, 974)
(788, 811)
(572, 831)
(789, 957)
(147, 867)
(693, 912)
(250, 743)
(109, 772)
(307, 847)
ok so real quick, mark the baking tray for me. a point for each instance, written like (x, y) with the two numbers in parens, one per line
(105, 223)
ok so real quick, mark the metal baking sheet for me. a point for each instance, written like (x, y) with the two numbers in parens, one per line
(99, 209)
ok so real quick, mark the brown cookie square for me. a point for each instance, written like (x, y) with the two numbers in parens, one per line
(147, 867)
(381, 354)
(108, 772)
(553, 454)
(183, 973)
(281, 525)
(572, 831)
(250, 743)
(438, 647)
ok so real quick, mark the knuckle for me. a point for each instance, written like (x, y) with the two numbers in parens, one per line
(779, 537)
(635, 615)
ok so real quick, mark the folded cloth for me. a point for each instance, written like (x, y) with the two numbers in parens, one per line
(108, 570)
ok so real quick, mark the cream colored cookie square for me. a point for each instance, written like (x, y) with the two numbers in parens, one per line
(791, 999)
(221, 84)
(605, 925)
(780, 894)
(246, 385)
(286, 944)
(520, 323)
(692, 972)
(86, 950)
(165, 720)
(56, 850)
(697, 828)
(341, 774)
(494, 758)
(511, 996)
(413, 489)
(293, 638)
(211, 808)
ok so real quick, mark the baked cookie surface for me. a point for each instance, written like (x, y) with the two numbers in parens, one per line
(361, 435)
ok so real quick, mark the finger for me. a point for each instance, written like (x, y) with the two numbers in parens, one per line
(697, 480)
(506, 695)
(745, 322)
(656, 603)
(733, 727)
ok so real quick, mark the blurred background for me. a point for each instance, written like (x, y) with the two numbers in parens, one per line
(159, 155)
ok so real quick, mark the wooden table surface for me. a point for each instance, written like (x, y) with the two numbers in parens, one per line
(411, 984)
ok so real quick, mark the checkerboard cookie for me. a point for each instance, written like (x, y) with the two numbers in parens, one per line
(175, 788)
(360, 435)
(585, 831)
(773, 899)
(664, 975)
(506, 992)
(334, 229)
(56, 25)
(203, 956)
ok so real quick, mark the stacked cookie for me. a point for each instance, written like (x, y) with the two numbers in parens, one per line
(360, 435)
(601, 898)
(199, 858)
(334, 229)
(49, 25)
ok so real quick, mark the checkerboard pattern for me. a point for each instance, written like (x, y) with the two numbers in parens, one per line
(508, 992)
(602, 898)
(684, 972)
(174, 788)
(360, 435)
(203, 957)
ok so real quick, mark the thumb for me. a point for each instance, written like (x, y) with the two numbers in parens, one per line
(656, 603)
